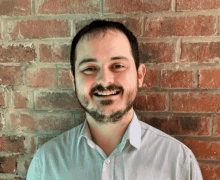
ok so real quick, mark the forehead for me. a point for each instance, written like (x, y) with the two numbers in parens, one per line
(112, 43)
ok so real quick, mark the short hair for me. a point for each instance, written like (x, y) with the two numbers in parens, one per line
(98, 26)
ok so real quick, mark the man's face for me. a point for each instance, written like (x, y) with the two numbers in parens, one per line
(105, 76)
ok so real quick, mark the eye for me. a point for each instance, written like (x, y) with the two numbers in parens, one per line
(117, 66)
(89, 70)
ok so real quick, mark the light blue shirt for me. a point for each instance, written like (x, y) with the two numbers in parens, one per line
(144, 153)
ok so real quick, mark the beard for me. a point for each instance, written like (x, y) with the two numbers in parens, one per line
(114, 115)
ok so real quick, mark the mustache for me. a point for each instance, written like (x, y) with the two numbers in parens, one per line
(111, 87)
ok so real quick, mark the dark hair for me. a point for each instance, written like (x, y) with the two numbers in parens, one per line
(98, 26)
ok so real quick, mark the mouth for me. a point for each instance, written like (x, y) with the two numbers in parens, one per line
(106, 94)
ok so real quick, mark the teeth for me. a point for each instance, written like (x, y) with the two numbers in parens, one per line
(106, 94)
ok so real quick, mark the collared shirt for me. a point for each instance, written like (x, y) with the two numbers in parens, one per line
(144, 153)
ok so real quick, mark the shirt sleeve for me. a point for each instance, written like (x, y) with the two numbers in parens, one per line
(34, 169)
(194, 172)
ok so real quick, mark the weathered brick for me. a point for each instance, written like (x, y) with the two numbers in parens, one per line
(15, 7)
(55, 53)
(176, 79)
(156, 52)
(17, 53)
(191, 126)
(203, 150)
(133, 24)
(12, 144)
(41, 122)
(64, 79)
(209, 78)
(180, 26)
(2, 100)
(38, 29)
(68, 7)
(184, 5)
(8, 164)
(1, 121)
(195, 102)
(210, 172)
(43, 77)
(10, 75)
(216, 127)
(151, 102)
(22, 100)
(123, 6)
(150, 79)
(56, 100)
(200, 52)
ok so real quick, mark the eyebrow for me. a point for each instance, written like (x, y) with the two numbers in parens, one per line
(94, 60)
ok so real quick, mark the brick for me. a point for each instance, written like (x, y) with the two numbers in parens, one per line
(203, 150)
(41, 122)
(43, 77)
(184, 5)
(176, 79)
(68, 7)
(15, 7)
(209, 78)
(191, 126)
(123, 6)
(150, 79)
(10, 75)
(195, 102)
(133, 24)
(2, 100)
(151, 102)
(13, 144)
(56, 100)
(8, 164)
(216, 128)
(210, 172)
(17, 53)
(180, 26)
(64, 79)
(200, 52)
(38, 29)
(156, 52)
(55, 53)
(22, 100)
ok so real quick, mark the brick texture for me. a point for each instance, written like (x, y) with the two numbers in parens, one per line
(200, 52)
(209, 78)
(156, 52)
(150, 79)
(39, 29)
(55, 53)
(181, 26)
(191, 126)
(197, 5)
(64, 79)
(176, 79)
(22, 100)
(68, 7)
(151, 102)
(17, 53)
(41, 77)
(10, 75)
(210, 172)
(195, 102)
(216, 129)
(8, 164)
(13, 144)
(123, 6)
(2, 100)
(15, 7)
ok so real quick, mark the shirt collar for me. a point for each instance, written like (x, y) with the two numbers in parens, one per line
(133, 132)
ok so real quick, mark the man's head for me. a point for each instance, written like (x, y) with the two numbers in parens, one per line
(106, 78)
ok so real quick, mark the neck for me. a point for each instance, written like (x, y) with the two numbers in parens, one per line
(108, 135)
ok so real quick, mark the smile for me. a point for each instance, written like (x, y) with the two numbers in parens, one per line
(106, 93)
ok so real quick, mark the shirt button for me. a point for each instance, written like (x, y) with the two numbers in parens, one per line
(107, 161)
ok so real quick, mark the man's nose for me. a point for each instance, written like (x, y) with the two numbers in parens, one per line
(105, 77)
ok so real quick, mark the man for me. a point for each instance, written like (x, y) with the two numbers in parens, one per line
(112, 143)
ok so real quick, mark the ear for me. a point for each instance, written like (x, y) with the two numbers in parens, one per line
(72, 78)
(141, 74)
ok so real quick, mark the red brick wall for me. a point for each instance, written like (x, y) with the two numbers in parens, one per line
(179, 44)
